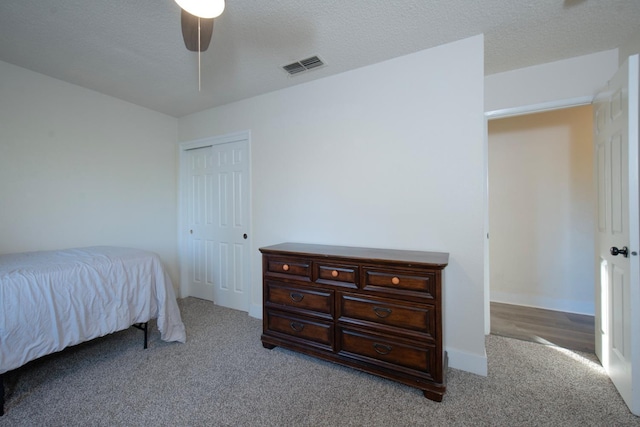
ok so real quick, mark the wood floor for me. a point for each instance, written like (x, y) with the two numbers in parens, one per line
(567, 330)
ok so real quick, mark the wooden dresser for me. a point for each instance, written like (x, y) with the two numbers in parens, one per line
(376, 310)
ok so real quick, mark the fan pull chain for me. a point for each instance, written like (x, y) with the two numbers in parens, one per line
(199, 66)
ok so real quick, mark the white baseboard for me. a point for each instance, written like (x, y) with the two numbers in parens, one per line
(255, 311)
(464, 361)
(568, 306)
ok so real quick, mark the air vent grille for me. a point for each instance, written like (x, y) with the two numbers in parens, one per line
(303, 65)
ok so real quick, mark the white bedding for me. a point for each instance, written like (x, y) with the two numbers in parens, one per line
(54, 299)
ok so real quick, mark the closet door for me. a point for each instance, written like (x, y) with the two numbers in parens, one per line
(218, 249)
(201, 237)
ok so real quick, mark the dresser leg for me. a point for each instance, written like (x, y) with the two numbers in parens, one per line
(436, 397)
(268, 346)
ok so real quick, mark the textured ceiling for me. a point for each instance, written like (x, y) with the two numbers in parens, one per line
(133, 49)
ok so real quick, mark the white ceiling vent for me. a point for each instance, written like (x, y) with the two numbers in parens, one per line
(303, 65)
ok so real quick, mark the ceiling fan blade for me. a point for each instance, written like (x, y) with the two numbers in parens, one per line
(190, 31)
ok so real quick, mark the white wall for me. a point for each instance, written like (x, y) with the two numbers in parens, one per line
(574, 79)
(541, 210)
(389, 155)
(78, 168)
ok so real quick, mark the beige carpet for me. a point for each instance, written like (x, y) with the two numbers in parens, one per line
(223, 376)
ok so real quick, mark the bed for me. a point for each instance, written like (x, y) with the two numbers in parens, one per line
(50, 300)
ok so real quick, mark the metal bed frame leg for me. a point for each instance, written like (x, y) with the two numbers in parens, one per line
(143, 327)
(1, 395)
(146, 328)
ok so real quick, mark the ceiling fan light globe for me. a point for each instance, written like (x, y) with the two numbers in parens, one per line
(203, 8)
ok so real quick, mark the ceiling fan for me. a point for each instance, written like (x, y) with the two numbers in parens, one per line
(197, 22)
(196, 31)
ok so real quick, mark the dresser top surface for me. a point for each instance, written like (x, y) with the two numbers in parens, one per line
(434, 259)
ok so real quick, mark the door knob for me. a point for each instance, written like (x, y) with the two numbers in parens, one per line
(615, 251)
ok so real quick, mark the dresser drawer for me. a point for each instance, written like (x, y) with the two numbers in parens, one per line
(300, 327)
(318, 300)
(387, 350)
(388, 312)
(298, 268)
(387, 280)
(337, 274)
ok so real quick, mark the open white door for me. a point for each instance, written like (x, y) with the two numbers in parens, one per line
(617, 235)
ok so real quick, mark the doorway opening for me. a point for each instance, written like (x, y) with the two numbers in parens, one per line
(541, 219)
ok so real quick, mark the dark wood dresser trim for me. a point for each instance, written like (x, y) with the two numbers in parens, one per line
(377, 310)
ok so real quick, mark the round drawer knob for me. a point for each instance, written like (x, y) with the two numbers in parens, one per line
(395, 280)
(334, 273)
(285, 267)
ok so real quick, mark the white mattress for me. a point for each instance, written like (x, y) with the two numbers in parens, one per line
(54, 299)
